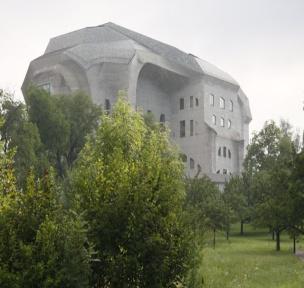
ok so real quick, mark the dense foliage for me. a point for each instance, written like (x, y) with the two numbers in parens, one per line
(41, 244)
(128, 179)
(92, 200)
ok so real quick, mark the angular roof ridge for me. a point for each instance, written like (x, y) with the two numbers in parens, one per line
(170, 52)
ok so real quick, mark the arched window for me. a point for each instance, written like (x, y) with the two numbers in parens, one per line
(213, 119)
(219, 151)
(225, 171)
(107, 105)
(162, 118)
(196, 101)
(222, 122)
(192, 163)
(230, 105)
(222, 103)
(229, 124)
(229, 154)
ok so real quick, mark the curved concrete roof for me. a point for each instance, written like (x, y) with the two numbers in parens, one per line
(113, 39)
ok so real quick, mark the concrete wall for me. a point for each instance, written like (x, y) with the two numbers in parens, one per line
(156, 83)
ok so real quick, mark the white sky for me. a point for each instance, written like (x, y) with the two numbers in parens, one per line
(259, 42)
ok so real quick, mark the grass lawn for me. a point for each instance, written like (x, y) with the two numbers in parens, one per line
(251, 261)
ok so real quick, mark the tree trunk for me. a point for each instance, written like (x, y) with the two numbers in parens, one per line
(213, 238)
(242, 227)
(294, 244)
(227, 235)
(278, 247)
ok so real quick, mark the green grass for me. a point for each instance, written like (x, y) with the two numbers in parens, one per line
(251, 261)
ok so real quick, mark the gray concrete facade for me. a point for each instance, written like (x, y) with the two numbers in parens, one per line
(206, 110)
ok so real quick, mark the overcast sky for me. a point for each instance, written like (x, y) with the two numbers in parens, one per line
(259, 42)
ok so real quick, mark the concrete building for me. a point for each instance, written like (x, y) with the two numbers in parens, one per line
(204, 107)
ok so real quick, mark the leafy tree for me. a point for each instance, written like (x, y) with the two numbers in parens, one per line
(23, 136)
(128, 180)
(41, 244)
(237, 202)
(270, 162)
(48, 130)
(205, 203)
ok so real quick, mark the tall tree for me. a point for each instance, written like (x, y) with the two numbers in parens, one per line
(128, 180)
(269, 162)
(205, 203)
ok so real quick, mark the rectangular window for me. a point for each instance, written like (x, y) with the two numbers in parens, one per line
(191, 128)
(211, 99)
(181, 104)
(213, 119)
(182, 128)
(225, 152)
(196, 101)
(191, 101)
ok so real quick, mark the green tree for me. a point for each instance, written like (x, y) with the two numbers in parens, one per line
(21, 135)
(128, 180)
(237, 203)
(270, 162)
(205, 203)
(41, 244)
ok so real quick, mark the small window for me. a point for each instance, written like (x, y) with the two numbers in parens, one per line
(162, 118)
(213, 119)
(218, 172)
(219, 152)
(149, 111)
(107, 105)
(222, 122)
(230, 105)
(211, 99)
(191, 128)
(225, 152)
(184, 158)
(229, 154)
(182, 128)
(222, 103)
(229, 124)
(191, 101)
(46, 87)
(181, 104)
(225, 171)
(196, 102)
(192, 164)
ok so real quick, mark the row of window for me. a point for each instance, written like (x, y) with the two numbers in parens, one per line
(224, 171)
(222, 121)
(191, 162)
(182, 128)
(222, 102)
(225, 152)
(182, 103)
